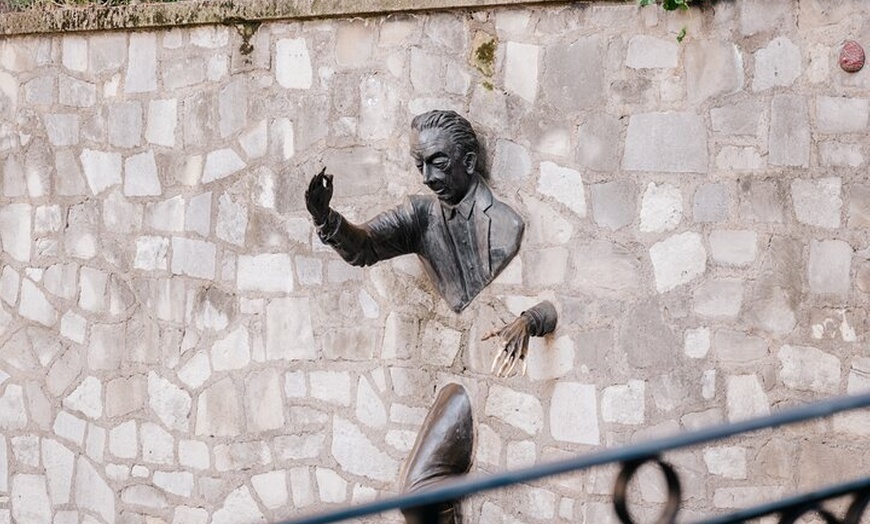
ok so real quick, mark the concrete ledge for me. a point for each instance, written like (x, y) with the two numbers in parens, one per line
(220, 12)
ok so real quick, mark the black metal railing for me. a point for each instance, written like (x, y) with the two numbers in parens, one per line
(631, 458)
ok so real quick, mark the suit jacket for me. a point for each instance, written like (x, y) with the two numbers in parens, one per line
(420, 226)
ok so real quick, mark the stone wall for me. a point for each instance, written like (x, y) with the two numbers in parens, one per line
(176, 346)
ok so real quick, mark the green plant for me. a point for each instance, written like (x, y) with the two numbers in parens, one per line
(668, 5)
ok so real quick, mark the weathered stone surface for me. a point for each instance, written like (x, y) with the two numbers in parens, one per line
(218, 410)
(604, 268)
(12, 412)
(293, 64)
(737, 347)
(511, 162)
(789, 139)
(564, 185)
(741, 118)
(263, 401)
(829, 267)
(734, 248)
(574, 413)
(661, 208)
(623, 404)
(86, 398)
(331, 386)
(221, 164)
(141, 64)
(685, 151)
(125, 124)
(696, 342)
(241, 456)
(711, 203)
(30, 501)
(271, 488)
(778, 64)
(646, 338)
(125, 395)
(521, 70)
(678, 260)
(647, 52)
(838, 115)
(35, 306)
(571, 69)
(92, 492)
(721, 297)
(614, 204)
(289, 335)
(745, 398)
(356, 454)
(169, 402)
(194, 258)
(239, 506)
(712, 69)
(809, 369)
(102, 169)
(140, 175)
(193, 454)
(818, 202)
(268, 273)
(596, 148)
(520, 410)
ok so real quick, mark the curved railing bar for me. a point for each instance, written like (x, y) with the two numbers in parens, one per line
(471, 484)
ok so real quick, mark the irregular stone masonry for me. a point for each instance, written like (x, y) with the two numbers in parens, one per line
(177, 347)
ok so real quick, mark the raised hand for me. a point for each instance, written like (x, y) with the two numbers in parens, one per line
(514, 347)
(318, 195)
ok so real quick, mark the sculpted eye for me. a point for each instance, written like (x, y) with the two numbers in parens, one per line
(441, 163)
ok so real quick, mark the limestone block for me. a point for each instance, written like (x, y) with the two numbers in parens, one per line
(597, 149)
(748, 496)
(518, 409)
(829, 267)
(184, 72)
(534, 504)
(175, 482)
(107, 52)
(69, 176)
(742, 118)
(15, 230)
(221, 164)
(240, 456)
(63, 371)
(661, 208)
(239, 506)
(427, 71)
(357, 455)
(92, 491)
(614, 204)
(170, 403)
(105, 349)
(331, 487)
(30, 501)
(696, 342)
(604, 268)
(564, 185)
(58, 462)
(553, 361)
(778, 64)
(624, 404)
(92, 289)
(721, 297)
(733, 247)
(647, 52)
(574, 413)
(837, 115)
(331, 386)
(268, 273)
(271, 488)
(198, 215)
(574, 68)
(712, 203)
(369, 407)
(678, 260)
(76, 93)
(255, 140)
(35, 306)
(232, 108)
(859, 376)
(217, 411)
(757, 16)
(232, 351)
(62, 129)
(151, 253)
(809, 369)
(141, 73)
(289, 335)
(12, 412)
(9, 285)
(684, 151)
(836, 154)
(193, 454)
(546, 267)
(86, 398)
(102, 169)
(733, 158)
(379, 106)
(545, 225)
(645, 336)
(301, 488)
(66, 426)
(762, 200)
(713, 69)
(511, 162)
(40, 91)
(292, 64)
(745, 398)
(521, 70)
(125, 124)
(789, 139)
(194, 258)
(353, 43)
(738, 347)
(298, 447)
(125, 395)
(143, 495)
(140, 175)
(264, 407)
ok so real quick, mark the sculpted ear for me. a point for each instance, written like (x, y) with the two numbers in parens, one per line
(470, 162)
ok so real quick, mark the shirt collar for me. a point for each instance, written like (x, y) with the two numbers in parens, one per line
(466, 205)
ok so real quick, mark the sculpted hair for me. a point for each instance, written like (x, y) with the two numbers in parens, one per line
(453, 124)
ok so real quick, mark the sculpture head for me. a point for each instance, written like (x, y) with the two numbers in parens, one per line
(444, 148)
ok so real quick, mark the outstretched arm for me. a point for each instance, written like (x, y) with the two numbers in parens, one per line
(538, 321)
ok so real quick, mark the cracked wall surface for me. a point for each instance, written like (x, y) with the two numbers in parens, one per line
(176, 346)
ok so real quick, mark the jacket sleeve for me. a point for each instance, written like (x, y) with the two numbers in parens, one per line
(542, 319)
(389, 234)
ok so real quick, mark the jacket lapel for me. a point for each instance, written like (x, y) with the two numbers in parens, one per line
(482, 223)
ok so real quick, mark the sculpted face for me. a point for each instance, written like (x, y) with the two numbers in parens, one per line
(438, 159)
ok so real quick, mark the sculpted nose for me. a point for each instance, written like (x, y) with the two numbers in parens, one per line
(428, 177)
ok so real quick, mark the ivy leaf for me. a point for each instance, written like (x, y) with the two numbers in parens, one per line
(681, 35)
(644, 3)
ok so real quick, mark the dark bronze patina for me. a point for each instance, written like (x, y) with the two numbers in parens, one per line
(442, 451)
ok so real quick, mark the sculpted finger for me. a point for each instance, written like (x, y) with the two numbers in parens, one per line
(510, 370)
(495, 361)
(523, 373)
